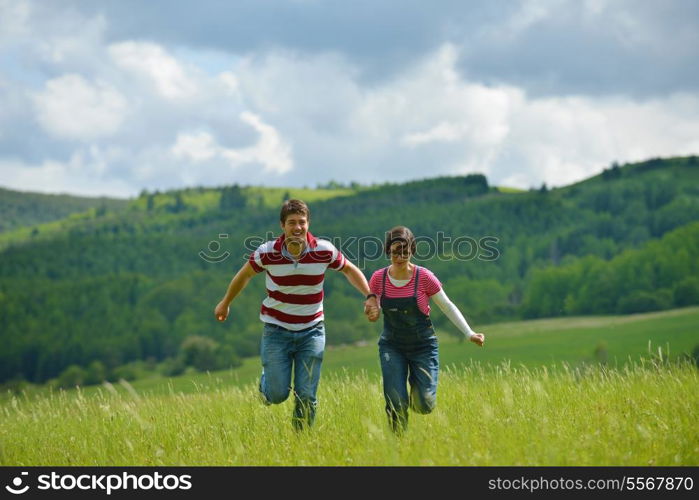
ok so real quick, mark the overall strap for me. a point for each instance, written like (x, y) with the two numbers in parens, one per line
(383, 283)
(417, 277)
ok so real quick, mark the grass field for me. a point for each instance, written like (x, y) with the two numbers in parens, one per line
(535, 343)
(485, 416)
(533, 396)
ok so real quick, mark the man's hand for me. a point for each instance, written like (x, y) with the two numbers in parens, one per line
(239, 281)
(371, 309)
(478, 339)
(221, 311)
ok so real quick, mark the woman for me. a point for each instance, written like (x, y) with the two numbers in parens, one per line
(408, 344)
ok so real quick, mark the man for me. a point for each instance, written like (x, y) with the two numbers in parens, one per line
(293, 339)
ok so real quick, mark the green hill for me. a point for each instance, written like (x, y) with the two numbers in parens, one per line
(113, 286)
(20, 209)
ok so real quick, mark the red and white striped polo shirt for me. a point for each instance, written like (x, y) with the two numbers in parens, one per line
(295, 288)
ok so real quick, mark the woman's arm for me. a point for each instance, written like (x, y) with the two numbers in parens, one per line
(452, 312)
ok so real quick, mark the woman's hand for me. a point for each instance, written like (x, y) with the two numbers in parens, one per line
(478, 339)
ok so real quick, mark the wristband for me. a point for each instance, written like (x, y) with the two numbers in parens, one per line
(370, 296)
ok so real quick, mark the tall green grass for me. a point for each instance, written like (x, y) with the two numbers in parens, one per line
(532, 343)
(535, 395)
(644, 414)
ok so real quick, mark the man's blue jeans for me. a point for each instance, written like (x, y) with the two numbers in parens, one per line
(414, 361)
(301, 352)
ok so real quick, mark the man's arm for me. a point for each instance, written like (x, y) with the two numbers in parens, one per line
(358, 281)
(239, 281)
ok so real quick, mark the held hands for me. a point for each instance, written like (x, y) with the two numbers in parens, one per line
(478, 339)
(371, 309)
(221, 311)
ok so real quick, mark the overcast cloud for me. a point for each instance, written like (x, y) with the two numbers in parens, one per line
(112, 97)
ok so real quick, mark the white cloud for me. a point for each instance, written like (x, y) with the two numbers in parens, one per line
(564, 140)
(444, 132)
(430, 120)
(151, 61)
(229, 81)
(517, 139)
(134, 113)
(447, 108)
(270, 150)
(85, 173)
(196, 147)
(75, 41)
(273, 152)
(13, 21)
(313, 87)
(521, 18)
(71, 107)
(459, 124)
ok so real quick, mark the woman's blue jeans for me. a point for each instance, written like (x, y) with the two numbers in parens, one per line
(414, 362)
(284, 352)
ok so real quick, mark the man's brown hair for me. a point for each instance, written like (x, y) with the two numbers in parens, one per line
(294, 207)
(401, 234)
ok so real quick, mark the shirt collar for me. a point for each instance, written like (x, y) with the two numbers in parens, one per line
(311, 241)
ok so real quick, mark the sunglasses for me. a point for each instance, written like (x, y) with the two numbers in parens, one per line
(403, 252)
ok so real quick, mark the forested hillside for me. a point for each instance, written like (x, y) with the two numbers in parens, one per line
(20, 209)
(91, 294)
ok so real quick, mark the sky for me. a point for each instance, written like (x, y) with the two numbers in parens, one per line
(115, 96)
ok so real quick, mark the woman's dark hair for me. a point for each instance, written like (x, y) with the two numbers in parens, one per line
(402, 234)
(294, 207)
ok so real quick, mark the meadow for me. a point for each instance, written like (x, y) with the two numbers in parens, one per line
(642, 415)
(576, 341)
(574, 391)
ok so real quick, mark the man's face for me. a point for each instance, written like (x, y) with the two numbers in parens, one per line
(295, 228)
